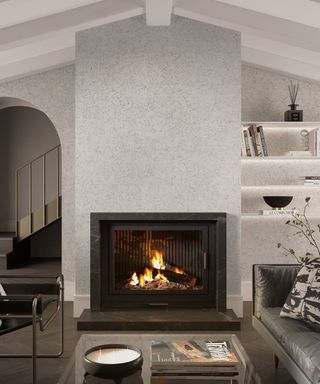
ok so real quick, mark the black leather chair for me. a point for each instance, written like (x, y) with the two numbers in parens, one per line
(28, 300)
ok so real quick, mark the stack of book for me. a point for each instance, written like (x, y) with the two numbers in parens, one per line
(253, 141)
(314, 141)
(312, 180)
(278, 212)
(192, 361)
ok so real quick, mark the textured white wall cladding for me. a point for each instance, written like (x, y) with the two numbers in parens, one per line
(265, 234)
(157, 126)
(53, 93)
(265, 96)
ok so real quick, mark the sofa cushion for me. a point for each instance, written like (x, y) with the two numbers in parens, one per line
(303, 302)
(297, 338)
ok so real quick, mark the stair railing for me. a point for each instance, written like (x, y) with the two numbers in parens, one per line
(36, 219)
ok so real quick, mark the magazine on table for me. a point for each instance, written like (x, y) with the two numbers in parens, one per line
(191, 353)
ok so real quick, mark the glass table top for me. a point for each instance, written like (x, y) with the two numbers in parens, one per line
(74, 372)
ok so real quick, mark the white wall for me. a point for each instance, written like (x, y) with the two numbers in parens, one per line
(157, 127)
(265, 95)
(53, 93)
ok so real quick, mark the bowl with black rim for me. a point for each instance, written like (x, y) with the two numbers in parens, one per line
(277, 202)
(115, 371)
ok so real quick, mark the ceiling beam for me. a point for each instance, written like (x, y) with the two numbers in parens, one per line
(260, 45)
(16, 11)
(158, 12)
(37, 46)
(300, 11)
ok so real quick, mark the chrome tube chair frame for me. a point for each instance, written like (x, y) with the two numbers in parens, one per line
(35, 316)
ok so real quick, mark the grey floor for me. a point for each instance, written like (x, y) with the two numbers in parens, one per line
(18, 371)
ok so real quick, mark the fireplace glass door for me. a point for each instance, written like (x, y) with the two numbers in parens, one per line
(159, 259)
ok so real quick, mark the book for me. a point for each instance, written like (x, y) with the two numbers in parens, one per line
(192, 380)
(314, 142)
(243, 146)
(191, 353)
(246, 142)
(252, 141)
(312, 177)
(257, 139)
(298, 154)
(278, 212)
(312, 182)
(262, 140)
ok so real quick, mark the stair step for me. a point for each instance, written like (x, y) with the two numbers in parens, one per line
(6, 242)
(7, 235)
(3, 262)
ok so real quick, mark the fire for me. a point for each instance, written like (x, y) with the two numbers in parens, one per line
(134, 279)
(157, 260)
(160, 276)
(157, 263)
(179, 271)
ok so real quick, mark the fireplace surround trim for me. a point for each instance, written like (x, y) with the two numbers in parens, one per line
(97, 262)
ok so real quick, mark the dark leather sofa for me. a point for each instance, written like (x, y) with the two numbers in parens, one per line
(295, 343)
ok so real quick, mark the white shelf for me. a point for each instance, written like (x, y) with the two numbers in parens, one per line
(271, 158)
(260, 216)
(285, 124)
(284, 187)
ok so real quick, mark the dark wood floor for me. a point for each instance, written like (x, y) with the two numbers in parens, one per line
(18, 371)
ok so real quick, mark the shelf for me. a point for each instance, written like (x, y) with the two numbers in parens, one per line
(287, 186)
(260, 216)
(285, 124)
(271, 158)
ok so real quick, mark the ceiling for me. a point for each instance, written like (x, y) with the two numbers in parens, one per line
(36, 35)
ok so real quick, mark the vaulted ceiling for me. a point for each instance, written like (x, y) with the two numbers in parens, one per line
(37, 35)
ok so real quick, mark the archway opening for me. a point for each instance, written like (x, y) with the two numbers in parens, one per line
(30, 197)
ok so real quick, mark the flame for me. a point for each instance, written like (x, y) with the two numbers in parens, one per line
(158, 263)
(142, 281)
(160, 276)
(134, 279)
(157, 260)
(147, 274)
(179, 271)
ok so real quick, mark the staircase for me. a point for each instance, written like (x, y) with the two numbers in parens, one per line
(6, 247)
(38, 205)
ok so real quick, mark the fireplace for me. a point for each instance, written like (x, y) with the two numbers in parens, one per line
(171, 260)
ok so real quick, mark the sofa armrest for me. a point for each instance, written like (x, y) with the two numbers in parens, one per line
(272, 284)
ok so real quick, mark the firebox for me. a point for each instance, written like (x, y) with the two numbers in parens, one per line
(158, 260)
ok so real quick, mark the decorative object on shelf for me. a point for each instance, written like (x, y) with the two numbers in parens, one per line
(314, 141)
(293, 114)
(277, 202)
(113, 362)
(301, 223)
(305, 139)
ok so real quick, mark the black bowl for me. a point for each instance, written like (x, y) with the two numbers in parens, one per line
(113, 371)
(277, 202)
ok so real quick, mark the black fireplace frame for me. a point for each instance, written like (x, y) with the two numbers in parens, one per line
(103, 298)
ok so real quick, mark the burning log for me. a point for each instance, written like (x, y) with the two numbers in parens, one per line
(183, 279)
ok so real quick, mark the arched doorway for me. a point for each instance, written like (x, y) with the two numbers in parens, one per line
(30, 206)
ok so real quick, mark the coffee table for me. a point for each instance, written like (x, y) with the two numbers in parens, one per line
(74, 372)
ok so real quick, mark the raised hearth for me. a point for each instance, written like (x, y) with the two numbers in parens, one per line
(163, 319)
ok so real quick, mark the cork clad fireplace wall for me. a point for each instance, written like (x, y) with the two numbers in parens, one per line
(141, 260)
